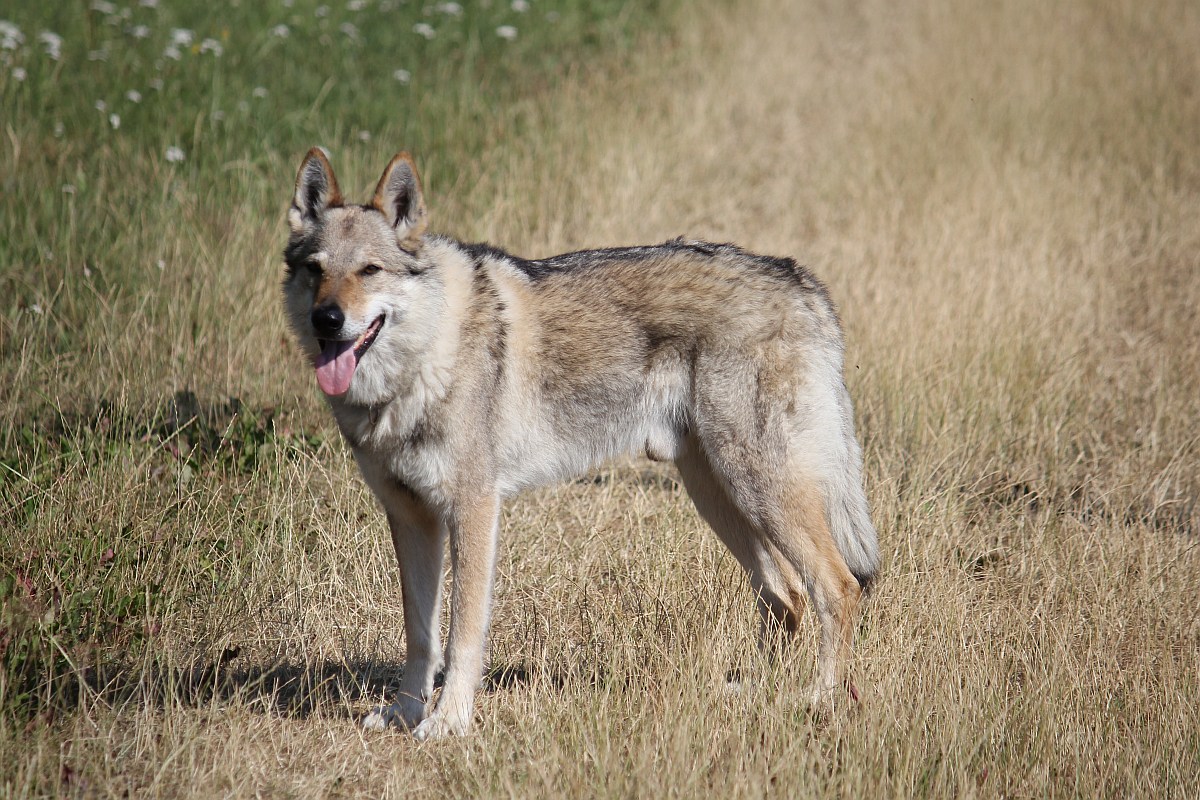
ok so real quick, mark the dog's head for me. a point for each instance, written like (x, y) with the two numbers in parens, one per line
(355, 289)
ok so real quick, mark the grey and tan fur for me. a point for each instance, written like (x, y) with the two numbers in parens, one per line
(460, 374)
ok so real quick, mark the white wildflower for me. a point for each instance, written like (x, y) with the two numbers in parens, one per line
(139, 31)
(260, 92)
(133, 96)
(322, 11)
(402, 75)
(356, 5)
(520, 6)
(53, 44)
(182, 37)
(219, 115)
(68, 188)
(424, 29)
(19, 74)
(37, 309)
(10, 36)
(506, 32)
(174, 156)
(148, 3)
(172, 52)
(157, 84)
(281, 31)
(349, 29)
(364, 136)
(101, 106)
(212, 46)
(449, 9)
(103, 7)
(114, 120)
(161, 264)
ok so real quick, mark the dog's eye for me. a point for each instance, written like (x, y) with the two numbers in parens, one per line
(369, 269)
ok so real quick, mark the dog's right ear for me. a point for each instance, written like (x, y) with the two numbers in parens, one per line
(398, 196)
(316, 190)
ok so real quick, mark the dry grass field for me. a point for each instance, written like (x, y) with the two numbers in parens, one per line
(1004, 199)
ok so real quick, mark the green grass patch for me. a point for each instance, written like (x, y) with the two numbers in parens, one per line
(124, 121)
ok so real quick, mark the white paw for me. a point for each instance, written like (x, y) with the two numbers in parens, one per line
(376, 720)
(440, 726)
(736, 688)
(739, 683)
(828, 700)
(821, 703)
(397, 715)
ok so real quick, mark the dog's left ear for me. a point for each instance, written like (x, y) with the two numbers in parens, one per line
(399, 197)
(316, 190)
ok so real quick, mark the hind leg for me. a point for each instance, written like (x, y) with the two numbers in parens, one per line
(834, 590)
(788, 511)
(779, 590)
(801, 535)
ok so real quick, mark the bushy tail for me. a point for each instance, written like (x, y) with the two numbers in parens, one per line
(850, 519)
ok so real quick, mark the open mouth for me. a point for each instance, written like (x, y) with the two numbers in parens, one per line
(337, 360)
(364, 342)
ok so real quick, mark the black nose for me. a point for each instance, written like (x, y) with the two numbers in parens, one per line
(328, 320)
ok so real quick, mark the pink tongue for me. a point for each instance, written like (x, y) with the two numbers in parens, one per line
(335, 367)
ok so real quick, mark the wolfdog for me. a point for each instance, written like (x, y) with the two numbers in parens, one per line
(460, 374)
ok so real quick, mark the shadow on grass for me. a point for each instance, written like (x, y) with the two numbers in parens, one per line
(290, 689)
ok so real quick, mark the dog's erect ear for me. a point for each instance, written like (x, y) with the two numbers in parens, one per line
(399, 197)
(316, 190)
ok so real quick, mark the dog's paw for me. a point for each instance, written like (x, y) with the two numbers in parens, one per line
(440, 726)
(826, 703)
(823, 703)
(739, 683)
(393, 716)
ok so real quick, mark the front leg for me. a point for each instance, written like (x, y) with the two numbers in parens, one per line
(420, 542)
(473, 530)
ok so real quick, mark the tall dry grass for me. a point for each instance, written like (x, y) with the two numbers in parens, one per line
(1003, 198)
